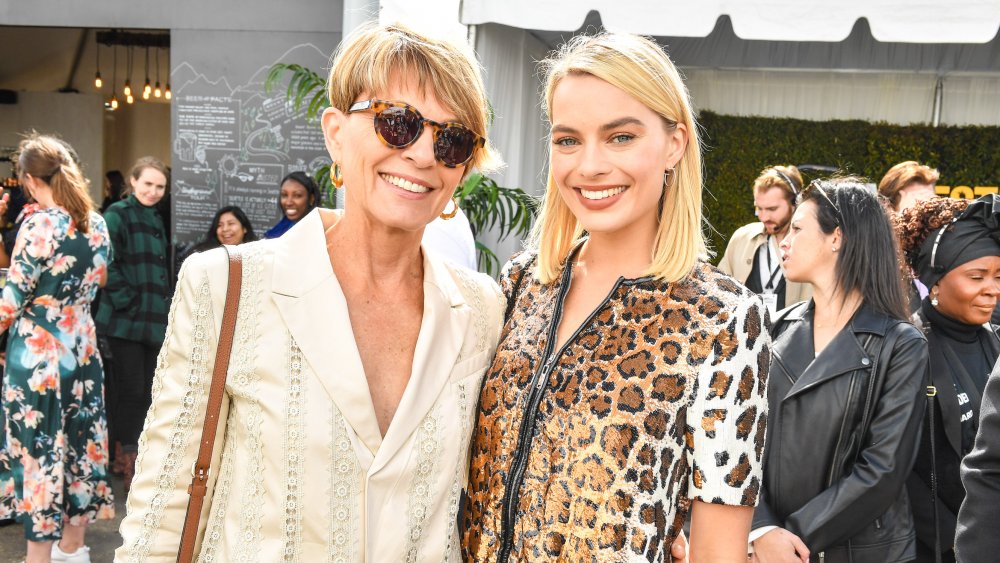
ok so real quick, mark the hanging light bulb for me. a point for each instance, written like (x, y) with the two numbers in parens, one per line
(97, 77)
(129, 98)
(158, 92)
(128, 74)
(114, 78)
(147, 88)
(167, 93)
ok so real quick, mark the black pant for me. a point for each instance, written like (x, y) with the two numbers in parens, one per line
(133, 364)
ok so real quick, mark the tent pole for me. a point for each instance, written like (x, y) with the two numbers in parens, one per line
(938, 95)
(356, 14)
(472, 36)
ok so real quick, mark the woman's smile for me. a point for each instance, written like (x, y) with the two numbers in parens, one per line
(598, 197)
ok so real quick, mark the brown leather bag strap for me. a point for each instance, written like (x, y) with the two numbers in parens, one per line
(202, 467)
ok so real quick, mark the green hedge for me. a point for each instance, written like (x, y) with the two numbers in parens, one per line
(738, 148)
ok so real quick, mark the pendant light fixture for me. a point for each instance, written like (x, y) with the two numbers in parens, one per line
(167, 93)
(157, 91)
(128, 78)
(97, 77)
(147, 89)
(114, 77)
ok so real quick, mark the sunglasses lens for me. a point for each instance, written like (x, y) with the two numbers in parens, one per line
(398, 126)
(454, 145)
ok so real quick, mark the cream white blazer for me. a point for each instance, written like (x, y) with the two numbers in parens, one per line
(301, 471)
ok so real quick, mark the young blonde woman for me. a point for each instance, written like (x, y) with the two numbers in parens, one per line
(352, 387)
(629, 386)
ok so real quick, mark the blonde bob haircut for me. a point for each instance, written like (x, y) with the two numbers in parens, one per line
(637, 66)
(373, 56)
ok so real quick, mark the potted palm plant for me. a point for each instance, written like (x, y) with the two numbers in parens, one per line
(489, 206)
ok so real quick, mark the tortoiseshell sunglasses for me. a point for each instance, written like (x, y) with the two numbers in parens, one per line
(399, 125)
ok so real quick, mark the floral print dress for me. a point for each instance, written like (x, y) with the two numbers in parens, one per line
(54, 454)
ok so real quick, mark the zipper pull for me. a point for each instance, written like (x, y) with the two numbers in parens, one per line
(546, 371)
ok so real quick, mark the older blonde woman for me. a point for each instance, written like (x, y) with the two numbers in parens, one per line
(357, 358)
(628, 389)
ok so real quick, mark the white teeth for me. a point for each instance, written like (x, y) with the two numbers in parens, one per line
(602, 194)
(405, 184)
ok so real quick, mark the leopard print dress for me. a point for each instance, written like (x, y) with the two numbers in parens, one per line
(594, 452)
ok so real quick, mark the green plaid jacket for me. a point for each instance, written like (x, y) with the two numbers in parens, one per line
(135, 301)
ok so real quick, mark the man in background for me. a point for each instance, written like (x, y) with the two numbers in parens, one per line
(752, 255)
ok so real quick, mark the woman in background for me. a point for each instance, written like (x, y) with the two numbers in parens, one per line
(847, 375)
(114, 189)
(133, 308)
(299, 195)
(229, 226)
(53, 471)
(954, 248)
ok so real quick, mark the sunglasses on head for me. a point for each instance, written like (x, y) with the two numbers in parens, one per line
(819, 186)
(399, 125)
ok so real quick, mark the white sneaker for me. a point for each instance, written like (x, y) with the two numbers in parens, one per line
(81, 555)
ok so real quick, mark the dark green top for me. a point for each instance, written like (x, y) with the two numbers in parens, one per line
(136, 299)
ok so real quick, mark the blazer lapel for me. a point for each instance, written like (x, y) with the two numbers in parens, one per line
(443, 329)
(311, 302)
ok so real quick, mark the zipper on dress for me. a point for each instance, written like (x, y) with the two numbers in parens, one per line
(508, 509)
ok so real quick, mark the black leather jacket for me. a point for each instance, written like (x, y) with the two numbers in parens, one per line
(826, 479)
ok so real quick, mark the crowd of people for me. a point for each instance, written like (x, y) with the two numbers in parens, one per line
(85, 308)
(824, 394)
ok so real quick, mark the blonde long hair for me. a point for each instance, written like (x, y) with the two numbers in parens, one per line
(641, 69)
(51, 160)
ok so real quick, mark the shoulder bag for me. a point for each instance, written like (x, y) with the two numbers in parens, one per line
(201, 468)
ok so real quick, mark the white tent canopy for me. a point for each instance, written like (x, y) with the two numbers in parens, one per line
(893, 21)
(916, 61)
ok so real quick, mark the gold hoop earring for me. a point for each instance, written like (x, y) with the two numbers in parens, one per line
(454, 211)
(336, 176)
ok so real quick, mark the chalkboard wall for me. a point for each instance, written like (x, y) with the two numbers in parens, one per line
(232, 142)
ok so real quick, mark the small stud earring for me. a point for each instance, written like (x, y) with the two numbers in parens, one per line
(934, 300)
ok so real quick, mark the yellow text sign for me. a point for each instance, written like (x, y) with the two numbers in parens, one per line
(965, 192)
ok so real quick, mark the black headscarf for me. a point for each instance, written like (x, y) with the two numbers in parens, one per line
(973, 234)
